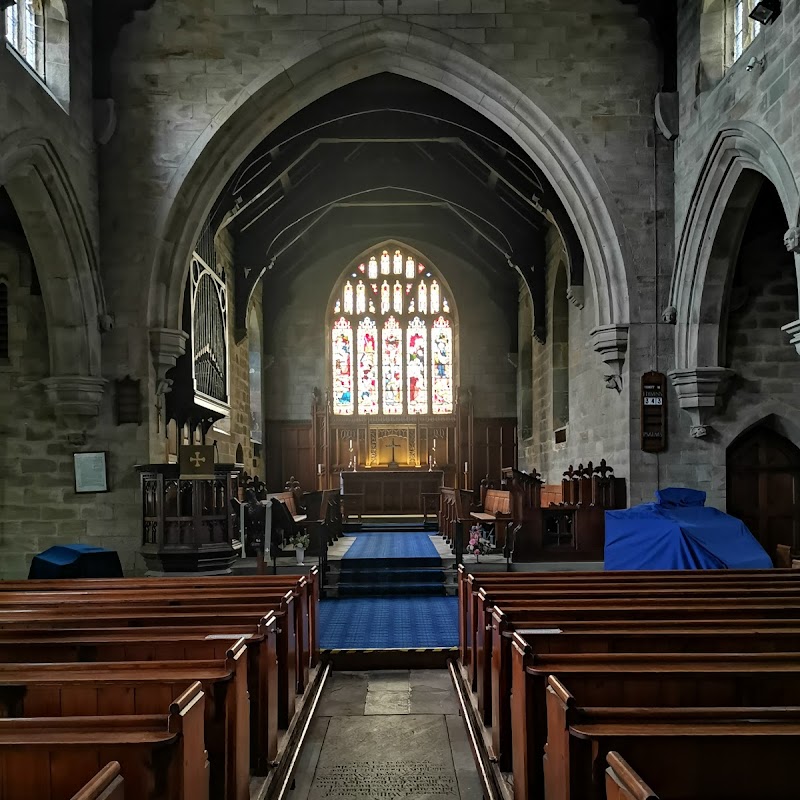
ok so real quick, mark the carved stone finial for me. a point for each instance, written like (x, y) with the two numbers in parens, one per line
(698, 431)
(791, 240)
(670, 315)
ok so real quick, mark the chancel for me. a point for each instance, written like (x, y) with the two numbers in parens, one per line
(429, 370)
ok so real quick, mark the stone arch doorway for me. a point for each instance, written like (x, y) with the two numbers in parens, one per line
(764, 486)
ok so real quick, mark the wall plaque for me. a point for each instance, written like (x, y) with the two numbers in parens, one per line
(653, 412)
(90, 472)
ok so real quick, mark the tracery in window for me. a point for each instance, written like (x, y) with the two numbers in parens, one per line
(392, 350)
(24, 32)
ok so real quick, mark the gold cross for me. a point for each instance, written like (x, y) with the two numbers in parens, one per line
(197, 461)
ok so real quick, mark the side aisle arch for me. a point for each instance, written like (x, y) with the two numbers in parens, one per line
(65, 260)
(741, 157)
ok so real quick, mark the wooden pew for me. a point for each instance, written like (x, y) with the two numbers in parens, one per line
(495, 511)
(298, 619)
(140, 688)
(145, 644)
(150, 618)
(162, 756)
(639, 680)
(622, 783)
(108, 784)
(714, 753)
(454, 506)
(601, 605)
(525, 646)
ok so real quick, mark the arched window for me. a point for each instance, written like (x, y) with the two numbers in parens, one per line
(560, 345)
(740, 29)
(403, 355)
(254, 346)
(25, 32)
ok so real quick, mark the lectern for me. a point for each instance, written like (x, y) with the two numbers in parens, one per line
(188, 524)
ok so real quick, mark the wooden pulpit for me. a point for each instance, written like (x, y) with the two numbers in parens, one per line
(188, 522)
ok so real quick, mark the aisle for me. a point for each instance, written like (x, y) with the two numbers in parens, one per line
(387, 735)
(371, 623)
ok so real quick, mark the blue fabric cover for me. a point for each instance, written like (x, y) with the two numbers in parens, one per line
(75, 561)
(679, 532)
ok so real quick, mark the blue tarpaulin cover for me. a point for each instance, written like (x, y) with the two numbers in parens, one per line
(679, 532)
(75, 561)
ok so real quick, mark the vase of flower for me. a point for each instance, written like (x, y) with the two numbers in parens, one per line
(300, 542)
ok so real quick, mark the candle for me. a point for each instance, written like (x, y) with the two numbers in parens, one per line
(434, 442)
(319, 469)
(351, 444)
(466, 466)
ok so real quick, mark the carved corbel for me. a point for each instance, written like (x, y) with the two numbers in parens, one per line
(167, 345)
(791, 240)
(793, 329)
(669, 315)
(611, 342)
(577, 296)
(75, 398)
(700, 392)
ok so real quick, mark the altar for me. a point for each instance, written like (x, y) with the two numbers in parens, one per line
(392, 491)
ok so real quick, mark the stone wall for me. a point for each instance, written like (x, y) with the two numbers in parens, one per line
(760, 101)
(597, 419)
(38, 502)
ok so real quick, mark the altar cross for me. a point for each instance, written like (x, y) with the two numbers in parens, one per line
(393, 444)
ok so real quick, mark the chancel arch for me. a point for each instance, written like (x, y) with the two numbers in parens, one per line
(429, 57)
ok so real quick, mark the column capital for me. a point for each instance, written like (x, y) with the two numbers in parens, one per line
(611, 343)
(167, 345)
(75, 396)
(700, 391)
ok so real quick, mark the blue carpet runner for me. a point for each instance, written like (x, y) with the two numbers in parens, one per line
(391, 545)
(402, 563)
(373, 623)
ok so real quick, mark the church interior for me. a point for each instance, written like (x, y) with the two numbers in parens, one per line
(399, 399)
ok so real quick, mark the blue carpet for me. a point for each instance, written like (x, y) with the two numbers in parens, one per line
(366, 623)
(391, 545)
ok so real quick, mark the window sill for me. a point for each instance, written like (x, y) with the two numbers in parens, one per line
(35, 75)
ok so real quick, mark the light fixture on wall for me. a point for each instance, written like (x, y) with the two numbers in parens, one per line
(766, 11)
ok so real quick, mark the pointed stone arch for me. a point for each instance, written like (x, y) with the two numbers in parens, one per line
(65, 259)
(741, 157)
(356, 52)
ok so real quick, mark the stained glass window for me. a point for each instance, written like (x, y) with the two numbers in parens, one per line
(442, 358)
(388, 356)
(392, 367)
(385, 301)
(348, 298)
(422, 305)
(342, 367)
(367, 366)
(397, 298)
(417, 366)
(361, 298)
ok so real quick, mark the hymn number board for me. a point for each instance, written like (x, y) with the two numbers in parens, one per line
(654, 412)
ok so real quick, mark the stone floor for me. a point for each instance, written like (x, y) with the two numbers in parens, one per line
(387, 735)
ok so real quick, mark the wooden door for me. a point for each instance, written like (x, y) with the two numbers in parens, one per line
(764, 487)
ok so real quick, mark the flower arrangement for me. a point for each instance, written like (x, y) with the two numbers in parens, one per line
(299, 541)
(478, 545)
